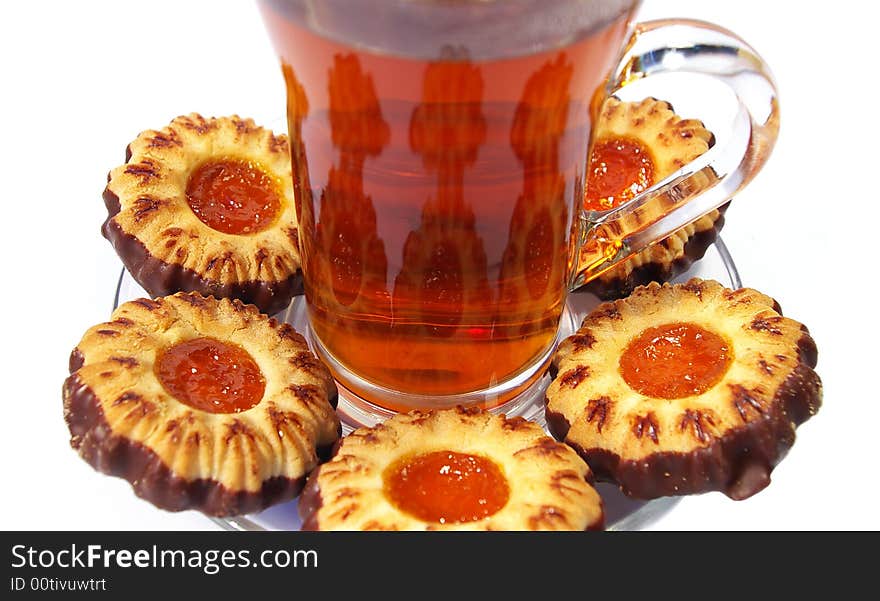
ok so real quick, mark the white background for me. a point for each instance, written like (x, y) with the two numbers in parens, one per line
(81, 79)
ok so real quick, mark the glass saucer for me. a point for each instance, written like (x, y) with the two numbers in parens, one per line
(621, 512)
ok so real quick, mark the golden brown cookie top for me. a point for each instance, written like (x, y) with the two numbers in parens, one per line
(452, 469)
(684, 388)
(206, 204)
(200, 403)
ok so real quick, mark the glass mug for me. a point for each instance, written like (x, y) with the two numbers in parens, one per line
(440, 152)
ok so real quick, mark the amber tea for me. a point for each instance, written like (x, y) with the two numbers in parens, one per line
(437, 183)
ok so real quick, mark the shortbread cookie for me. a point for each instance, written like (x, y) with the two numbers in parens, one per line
(638, 144)
(454, 469)
(684, 389)
(206, 205)
(200, 404)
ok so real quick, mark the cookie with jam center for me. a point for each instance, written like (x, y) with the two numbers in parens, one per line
(452, 469)
(200, 404)
(206, 205)
(638, 144)
(686, 388)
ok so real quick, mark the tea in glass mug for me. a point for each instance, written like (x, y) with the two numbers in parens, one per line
(440, 152)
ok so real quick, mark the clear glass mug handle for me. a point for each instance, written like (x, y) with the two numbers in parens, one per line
(678, 45)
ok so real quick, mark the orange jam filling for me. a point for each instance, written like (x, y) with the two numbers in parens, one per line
(675, 360)
(445, 487)
(210, 375)
(619, 169)
(233, 196)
